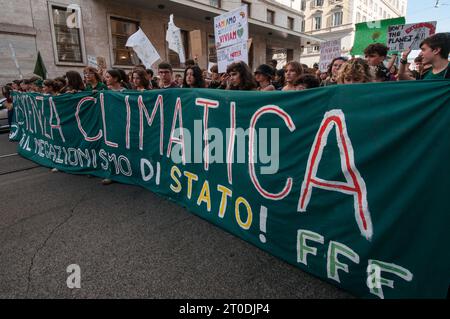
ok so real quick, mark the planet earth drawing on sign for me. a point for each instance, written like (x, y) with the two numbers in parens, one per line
(240, 32)
(376, 35)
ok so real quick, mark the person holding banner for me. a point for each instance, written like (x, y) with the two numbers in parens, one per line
(435, 50)
(74, 82)
(375, 54)
(293, 71)
(165, 74)
(394, 73)
(406, 74)
(333, 71)
(37, 85)
(307, 81)
(140, 80)
(264, 75)
(130, 79)
(153, 82)
(93, 80)
(421, 68)
(124, 80)
(322, 76)
(48, 88)
(25, 85)
(59, 85)
(279, 81)
(356, 70)
(114, 80)
(240, 77)
(16, 85)
(179, 80)
(215, 82)
(193, 78)
(6, 91)
(32, 85)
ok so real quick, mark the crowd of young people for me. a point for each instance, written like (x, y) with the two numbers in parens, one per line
(432, 63)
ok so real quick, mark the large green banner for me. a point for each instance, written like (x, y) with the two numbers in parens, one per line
(349, 183)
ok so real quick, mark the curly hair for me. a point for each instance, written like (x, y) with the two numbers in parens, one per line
(330, 66)
(354, 70)
(376, 48)
(309, 81)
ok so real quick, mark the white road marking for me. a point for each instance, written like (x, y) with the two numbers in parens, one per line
(8, 155)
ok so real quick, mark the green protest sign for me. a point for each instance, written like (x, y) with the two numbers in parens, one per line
(370, 32)
(349, 188)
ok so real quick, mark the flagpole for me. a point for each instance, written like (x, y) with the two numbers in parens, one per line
(16, 62)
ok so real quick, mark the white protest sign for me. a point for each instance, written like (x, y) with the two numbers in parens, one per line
(231, 28)
(143, 48)
(92, 61)
(173, 37)
(401, 37)
(234, 53)
(328, 51)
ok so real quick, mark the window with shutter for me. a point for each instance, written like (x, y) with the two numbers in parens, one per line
(121, 30)
(67, 41)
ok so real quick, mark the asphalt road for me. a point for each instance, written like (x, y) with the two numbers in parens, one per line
(128, 242)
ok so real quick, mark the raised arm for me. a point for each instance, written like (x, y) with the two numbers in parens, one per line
(402, 75)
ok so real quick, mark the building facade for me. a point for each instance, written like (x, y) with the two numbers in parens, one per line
(336, 19)
(100, 29)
